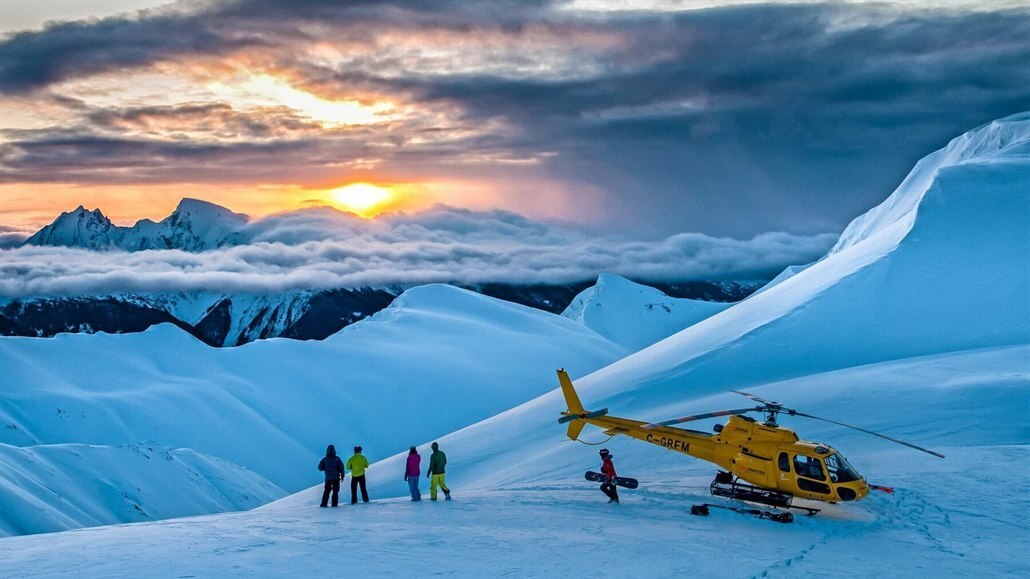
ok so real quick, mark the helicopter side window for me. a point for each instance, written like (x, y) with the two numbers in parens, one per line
(808, 466)
(784, 462)
(839, 469)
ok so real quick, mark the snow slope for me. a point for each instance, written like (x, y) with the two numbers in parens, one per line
(787, 273)
(523, 509)
(436, 358)
(71, 485)
(633, 315)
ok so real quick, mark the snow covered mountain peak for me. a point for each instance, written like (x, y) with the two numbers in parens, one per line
(634, 315)
(1006, 139)
(440, 302)
(79, 228)
(194, 225)
(200, 211)
(614, 289)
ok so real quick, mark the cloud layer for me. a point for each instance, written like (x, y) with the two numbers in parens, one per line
(729, 120)
(324, 248)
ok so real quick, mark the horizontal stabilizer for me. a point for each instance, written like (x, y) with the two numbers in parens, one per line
(582, 415)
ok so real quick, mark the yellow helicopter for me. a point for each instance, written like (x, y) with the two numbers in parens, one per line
(774, 463)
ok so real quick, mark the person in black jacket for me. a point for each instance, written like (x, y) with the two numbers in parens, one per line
(332, 466)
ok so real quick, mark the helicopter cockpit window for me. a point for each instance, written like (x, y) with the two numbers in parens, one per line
(784, 462)
(839, 469)
(808, 466)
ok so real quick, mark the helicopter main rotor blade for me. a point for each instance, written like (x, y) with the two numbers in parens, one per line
(756, 398)
(901, 442)
(701, 417)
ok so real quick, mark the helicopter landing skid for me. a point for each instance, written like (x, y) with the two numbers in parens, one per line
(702, 510)
(721, 487)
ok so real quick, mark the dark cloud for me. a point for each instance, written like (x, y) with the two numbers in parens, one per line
(220, 120)
(766, 117)
(33, 60)
(324, 248)
(100, 159)
(729, 121)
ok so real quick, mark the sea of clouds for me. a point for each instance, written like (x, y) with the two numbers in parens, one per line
(322, 248)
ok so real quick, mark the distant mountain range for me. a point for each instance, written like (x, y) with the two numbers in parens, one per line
(236, 319)
(230, 318)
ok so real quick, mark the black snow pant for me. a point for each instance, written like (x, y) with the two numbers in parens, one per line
(334, 487)
(354, 482)
(609, 489)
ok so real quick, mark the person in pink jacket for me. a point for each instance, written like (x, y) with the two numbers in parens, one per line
(411, 474)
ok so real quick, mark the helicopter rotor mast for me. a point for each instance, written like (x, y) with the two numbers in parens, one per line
(770, 408)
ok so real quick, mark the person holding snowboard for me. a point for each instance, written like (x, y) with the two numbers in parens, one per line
(332, 466)
(435, 473)
(608, 470)
(412, 472)
(357, 465)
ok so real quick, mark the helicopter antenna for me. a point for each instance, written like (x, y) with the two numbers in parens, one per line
(771, 409)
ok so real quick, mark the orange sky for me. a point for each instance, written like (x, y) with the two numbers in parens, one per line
(29, 206)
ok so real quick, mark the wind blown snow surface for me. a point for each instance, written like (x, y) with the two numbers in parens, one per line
(64, 486)
(917, 325)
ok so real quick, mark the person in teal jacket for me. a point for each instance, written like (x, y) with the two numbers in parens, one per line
(357, 465)
(437, 473)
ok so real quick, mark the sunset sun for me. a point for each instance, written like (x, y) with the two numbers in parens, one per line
(361, 198)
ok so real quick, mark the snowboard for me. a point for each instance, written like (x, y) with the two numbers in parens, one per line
(620, 481)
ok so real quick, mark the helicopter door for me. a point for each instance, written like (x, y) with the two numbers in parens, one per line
(784, 465)
(809, 467)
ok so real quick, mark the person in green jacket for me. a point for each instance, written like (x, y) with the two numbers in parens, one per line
(357, 465)
(436, 473)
